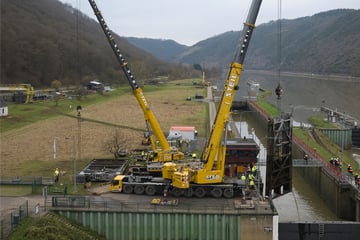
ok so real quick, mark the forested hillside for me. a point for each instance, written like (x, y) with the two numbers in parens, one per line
(166, 50)
(325, 43)
(46, 40)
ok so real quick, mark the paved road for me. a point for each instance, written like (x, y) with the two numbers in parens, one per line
(10, 204)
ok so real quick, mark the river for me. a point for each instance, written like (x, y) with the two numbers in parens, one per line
(303, 204)
(303, 96)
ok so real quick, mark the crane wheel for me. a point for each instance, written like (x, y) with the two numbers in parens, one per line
(228, 192)
(216, 192)
(177, 192)
(139, 190)
(128, 189)
(150, 190)
(200, 192)
(188, 192)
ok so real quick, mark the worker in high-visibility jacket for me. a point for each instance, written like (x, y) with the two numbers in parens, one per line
(243, 177)
(252, 184)
(56, 175)
(254, 170)
(251, 176)
(142, 155)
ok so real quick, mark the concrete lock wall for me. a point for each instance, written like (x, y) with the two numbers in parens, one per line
(142, 226)
(316, 231)
(336, 195)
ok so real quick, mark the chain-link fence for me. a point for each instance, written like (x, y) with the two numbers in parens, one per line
(10, 220)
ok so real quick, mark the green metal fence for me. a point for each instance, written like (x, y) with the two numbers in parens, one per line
(12, 219)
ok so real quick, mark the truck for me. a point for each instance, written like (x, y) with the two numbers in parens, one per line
(165, 153)
(205, 176)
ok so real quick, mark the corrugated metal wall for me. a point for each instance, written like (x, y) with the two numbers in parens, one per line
(166, 226)
(341, 137)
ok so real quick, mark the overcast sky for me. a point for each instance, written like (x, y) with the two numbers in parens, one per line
(190, 21)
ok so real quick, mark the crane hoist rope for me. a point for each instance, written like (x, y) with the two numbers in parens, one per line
(279, 90)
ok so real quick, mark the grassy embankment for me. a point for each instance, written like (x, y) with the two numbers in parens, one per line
(52, 227)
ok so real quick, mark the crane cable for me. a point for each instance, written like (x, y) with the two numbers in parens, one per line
(78, 52)
(279, 90)
(77, 36)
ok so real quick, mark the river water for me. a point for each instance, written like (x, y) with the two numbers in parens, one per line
(303, 96)
(303, 204)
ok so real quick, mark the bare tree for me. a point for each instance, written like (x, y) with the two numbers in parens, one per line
(57, 85)
(117, 144)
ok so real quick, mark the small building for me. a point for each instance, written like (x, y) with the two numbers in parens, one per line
(94, 85)
(4, 110)
(183, 132)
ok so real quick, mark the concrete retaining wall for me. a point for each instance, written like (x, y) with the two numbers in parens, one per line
(339, 195)
(129, 225)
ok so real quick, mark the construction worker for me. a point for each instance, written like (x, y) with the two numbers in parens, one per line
(193, 155)
(56, 175)
(349, 168)
(254, 170)
(151, 156)
(357, 180)
(337, 162)
(306, 158)
(142, 155)
(251, 177)
(243, 177)
(252, 184)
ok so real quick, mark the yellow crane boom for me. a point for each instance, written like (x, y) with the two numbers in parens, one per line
(166, 153)
(213, 157)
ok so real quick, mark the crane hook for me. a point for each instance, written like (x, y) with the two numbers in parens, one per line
(279, 91)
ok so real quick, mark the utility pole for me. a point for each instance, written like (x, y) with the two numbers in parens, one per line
(77, 150)
(74, 163)
(54, 152)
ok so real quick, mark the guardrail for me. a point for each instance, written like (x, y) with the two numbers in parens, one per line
(330, 169)
(86, 203)
(27, 180)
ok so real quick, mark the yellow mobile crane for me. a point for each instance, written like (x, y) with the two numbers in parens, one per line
(201, 178)
(27, 88)
(166, 153)
(206, 176)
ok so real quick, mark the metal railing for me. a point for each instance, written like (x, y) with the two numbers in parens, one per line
(10, 220)
(26, 180)
(85, 203)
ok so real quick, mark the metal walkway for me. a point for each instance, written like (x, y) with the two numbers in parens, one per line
(299, 163)
(308, 163)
